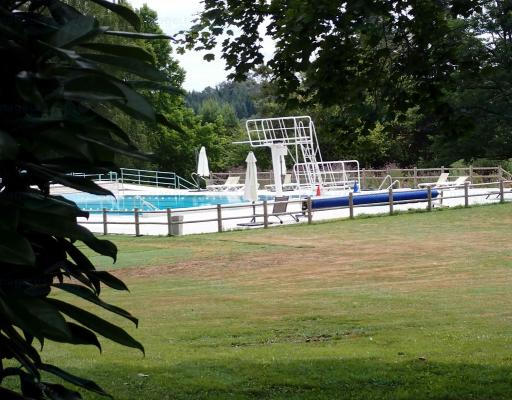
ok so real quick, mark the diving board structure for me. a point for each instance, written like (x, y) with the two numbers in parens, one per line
(296, 137)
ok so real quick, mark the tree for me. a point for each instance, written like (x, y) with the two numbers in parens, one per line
(58, 88)
(239, 95)
(421, 73)
(336, 50)
(482, 94)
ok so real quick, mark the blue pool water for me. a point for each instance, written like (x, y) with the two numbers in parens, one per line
(93, 203)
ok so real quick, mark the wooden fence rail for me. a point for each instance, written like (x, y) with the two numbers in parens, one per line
(175, 218)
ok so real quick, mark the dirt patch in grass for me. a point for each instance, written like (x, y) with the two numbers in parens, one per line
(408, 253)
(390, 259)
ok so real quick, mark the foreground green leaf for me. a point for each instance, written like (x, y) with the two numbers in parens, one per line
(97, 324)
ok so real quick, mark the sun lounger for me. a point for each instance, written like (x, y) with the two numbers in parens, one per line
(454, 184)
(230, 184)
(443, 178)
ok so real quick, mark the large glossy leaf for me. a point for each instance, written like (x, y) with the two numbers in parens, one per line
(97, 324)
(74, 271)
(76, 29)
(102, 121)
(121, 51)
(82, 184)
(83, 268)
(137, 35)
(69, 55)
(34, 201)
(62, 12)
(136, 105)
(103, 247)
(6, 394)
(23, 351)
(15, 248)
(124, 12)
(18, 354)
(11, 27)
(128, 64)
(76, 182)
(54, 391)
(86, 294)
(28, 90)
(31, 387)
(84, 383)
(46, 223)
(90, 88)
(57, 141)
(81, 335)
(77, 256)
(22, 344)
(119, 148)
(61, 94)
(36, 316)
(8, 147)
(109, 280)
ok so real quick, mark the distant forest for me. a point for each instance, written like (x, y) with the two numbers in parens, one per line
(238, 95)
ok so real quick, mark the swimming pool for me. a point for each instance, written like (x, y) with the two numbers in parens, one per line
(93, 203)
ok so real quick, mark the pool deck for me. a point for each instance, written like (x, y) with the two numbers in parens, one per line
(155, 223)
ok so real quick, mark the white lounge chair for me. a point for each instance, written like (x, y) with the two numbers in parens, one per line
(286, 185)
(230, 184)
(443, 178)
(453, 184)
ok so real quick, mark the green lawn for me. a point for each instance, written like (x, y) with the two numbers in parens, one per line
(414, 306)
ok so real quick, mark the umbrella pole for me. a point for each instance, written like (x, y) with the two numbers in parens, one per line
(253, 212)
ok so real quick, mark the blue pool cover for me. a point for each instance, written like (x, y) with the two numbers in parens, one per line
(370, 198)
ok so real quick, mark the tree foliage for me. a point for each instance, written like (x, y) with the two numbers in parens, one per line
(425, 78)
(60, 82)
(237, 95)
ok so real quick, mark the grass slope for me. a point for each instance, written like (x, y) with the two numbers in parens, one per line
(413, 306)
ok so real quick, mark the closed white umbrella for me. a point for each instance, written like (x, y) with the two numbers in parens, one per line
(202, 163)
(251, 179)
(251, 182)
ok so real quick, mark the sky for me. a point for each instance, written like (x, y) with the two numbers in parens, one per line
(176, 15)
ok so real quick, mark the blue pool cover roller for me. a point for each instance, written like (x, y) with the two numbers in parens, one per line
(383, 197)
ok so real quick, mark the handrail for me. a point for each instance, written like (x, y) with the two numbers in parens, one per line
(196, 177)
(142, 177)
(507, 174)
(148, 204)
(391, 181)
